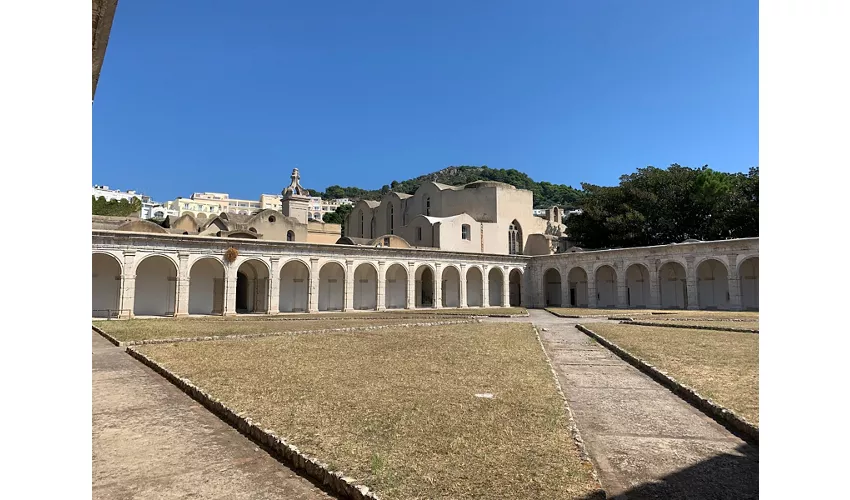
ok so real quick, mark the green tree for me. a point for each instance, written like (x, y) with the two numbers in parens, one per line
(338, 216)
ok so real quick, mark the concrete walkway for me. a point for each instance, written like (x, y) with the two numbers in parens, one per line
(150, 440)
(646, 442)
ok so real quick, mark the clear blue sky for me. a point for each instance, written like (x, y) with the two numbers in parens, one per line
(208, 95)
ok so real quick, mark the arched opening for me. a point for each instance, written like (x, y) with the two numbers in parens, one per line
(451, 287)
(474, 287)
(252, 287)
(637, 286)
(427, 207)
(105, 286)
(372, 228)
(331, 287)
(515, 288)
(361, 224)
(577, 279)
(395, 294)
(673, 287)
(515, 238)
(552, 293)
(290, 235)
(390, 216)
(294, 287)
(495, 283)
(712, 285)
(206, 287)
(365, 287)
(606, 287)
(424, 287)
(749, 276)
(156, 287)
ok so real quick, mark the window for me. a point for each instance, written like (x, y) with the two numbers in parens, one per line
(290, 236)
(427, 205)
(372, 228)
(465, 233)
(361, 224)
(387, 241)
(418, 234)
(390, 217)
(514, 238)
(272, 219)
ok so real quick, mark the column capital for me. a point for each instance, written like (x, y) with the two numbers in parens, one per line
(183, 255)
(129, 253)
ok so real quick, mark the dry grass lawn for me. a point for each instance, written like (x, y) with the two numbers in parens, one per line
(396, 409)
(174, 328)
(586, 311)
(714, 315)
(722, 366)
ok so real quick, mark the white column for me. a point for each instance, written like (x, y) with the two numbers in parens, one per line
(382, 286)
(691, 281)
(485, 286)
(128, 285)
(274, 286)
(438, 286)
(622, 289)
(654, 290)
(411, 285)
(506, 287)
(230, 289)
(313, 294)
(349, 286)
(463, 286)
(734, 283)
(182, 284)
(591, 288)
(565, 286)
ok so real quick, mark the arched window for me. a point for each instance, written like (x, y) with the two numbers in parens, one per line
(465, 232)
(361, 224)
(514, 238)
(427, 205)
(372, 228)
(391, 221)
(290, 236)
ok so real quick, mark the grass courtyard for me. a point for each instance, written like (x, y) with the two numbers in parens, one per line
(396, 408)
(719, 323)
(722, 366)
(586, 311)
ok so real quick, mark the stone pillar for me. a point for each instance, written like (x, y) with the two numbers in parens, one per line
(128, 285)
(274, 286)
(691, 281)
(734, 283)
(591, 289)
(485, 286)
(654, 287)
(411, 285)
(622, 289)
(313, 293)
(438, 285)
(230, 289)
(182, 284)
(349, 286)
(565, 286)
(463, 286)
(382, 286)
(506, 288)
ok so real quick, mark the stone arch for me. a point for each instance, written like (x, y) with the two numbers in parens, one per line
(712, 284)
(748, 274)
(365, 286)
(606, 286)
(106, 272)
(252, 287)
(156, 286)
(206, 286)
(332, 287)
(637, 285)
(450, 283)
(672, 285)
(552, 287)
(294, 286)
(515, 287)
(395, 289)
(474, 287)
(577, 281)
(424, 276)
(495, 285)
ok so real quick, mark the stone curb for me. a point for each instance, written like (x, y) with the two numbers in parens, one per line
(106, 336)
(690, 327)
(571, 422)
(248, 336)
(722, 415)
(289, 453)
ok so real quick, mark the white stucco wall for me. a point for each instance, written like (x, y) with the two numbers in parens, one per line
(331, 287)
(155, 291)
(294, 287)
(206, 278)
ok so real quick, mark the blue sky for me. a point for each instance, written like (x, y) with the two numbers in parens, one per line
(229, 97)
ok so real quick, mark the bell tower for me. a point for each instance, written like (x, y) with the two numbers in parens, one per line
(295, 201)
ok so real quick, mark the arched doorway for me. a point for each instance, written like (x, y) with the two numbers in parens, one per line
(474, 287)
(105, 286)
(515, 240)
(606, 287)
(156, 287)
(673, 286)
(424, 287)
(712, 285)
(206, 287)
(552, 291)
(332, 287)
(577, 279)
(365, 287)
(252, 287)
(515, 288)
(637, 286)
(749, 278)
(495, 281)
(294, 287)
(395, 290)
(451, 287)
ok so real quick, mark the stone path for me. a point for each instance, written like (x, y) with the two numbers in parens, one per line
(646, 442)
(150, 440)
